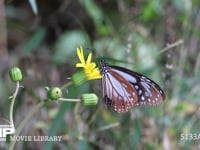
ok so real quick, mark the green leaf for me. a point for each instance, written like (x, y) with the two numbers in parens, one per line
(83, 145)
(35, 40)
(93, 10)
(136, 136)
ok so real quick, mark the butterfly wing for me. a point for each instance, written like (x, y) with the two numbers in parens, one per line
(117, 91)
(149, 92)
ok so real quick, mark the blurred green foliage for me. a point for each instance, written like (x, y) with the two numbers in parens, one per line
(35, 40)
(66, 45)
(126, 33)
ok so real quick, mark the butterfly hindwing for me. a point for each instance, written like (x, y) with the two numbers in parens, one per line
(118, 92)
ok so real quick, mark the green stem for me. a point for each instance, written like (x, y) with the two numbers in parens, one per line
(69, 100)
(12, 104)
(26, 119)
(66, 85)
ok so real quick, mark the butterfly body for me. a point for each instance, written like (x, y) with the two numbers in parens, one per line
(124, 88)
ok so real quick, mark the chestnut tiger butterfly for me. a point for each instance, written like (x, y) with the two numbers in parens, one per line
(123, 88)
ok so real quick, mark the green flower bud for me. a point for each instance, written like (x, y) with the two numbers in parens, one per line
(15, 74)
(89, 99)
(54, 93)
(79, 78)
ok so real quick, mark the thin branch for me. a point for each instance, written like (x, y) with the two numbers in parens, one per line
(169, 46)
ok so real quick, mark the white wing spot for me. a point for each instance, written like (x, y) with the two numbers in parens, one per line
(142, 98)
(140, 92)
(143, 77)
(148, 80)
(136, 87)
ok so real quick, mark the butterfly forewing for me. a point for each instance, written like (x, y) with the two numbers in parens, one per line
(117, 91)
(123, 88)
(149, 92)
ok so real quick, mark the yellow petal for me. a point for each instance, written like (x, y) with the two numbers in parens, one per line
(80, 55)
(89, 67)
(97, 70)
(89, 58)
(93, 65)
(79, 65)
(94, 74)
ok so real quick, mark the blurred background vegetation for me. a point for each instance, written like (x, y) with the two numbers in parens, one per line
(157, 38)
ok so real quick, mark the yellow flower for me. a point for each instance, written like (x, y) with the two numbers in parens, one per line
(89, 67)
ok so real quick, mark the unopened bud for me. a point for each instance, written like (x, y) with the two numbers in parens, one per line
(89, 99)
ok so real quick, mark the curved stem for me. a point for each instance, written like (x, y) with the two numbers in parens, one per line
(22, 124)
(12, 104)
